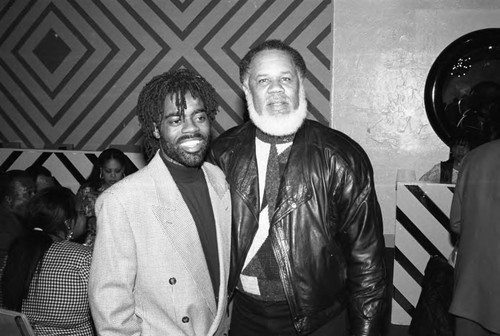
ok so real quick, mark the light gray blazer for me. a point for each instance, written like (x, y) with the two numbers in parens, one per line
(149, 275)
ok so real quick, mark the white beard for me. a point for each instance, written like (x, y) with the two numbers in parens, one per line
(280, 124)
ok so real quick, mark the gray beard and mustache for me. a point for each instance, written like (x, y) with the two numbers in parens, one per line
(279, 124)
(177, 154)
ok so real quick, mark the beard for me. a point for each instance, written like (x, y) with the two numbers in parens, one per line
(279, 124)
(175, 152)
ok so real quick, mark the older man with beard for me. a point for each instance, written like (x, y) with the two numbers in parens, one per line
(161, 256)
(308, 248)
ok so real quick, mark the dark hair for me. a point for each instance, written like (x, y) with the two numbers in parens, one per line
(94, 180)
(151, 102)
(7, 180)
(272, 45)
(36, 170)
(48, 211)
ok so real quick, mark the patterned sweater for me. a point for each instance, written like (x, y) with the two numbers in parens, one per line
(57, 302)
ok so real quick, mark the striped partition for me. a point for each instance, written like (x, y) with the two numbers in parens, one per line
(422, 230)
(69, 167)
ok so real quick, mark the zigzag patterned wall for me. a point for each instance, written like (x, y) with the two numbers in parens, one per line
(70, 71)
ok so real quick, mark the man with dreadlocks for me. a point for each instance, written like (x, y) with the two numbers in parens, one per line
(161, 256)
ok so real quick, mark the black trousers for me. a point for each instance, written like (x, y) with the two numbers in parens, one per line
(253, 317)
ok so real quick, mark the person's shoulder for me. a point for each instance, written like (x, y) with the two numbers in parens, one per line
(73, 257)
(213, 170)
(231, 141)
(134, 187)
(492, 146)
(333, 141)
(328, 135)
(216, 177)
(487, 152)
(70, 250)
(231, 134)
(129, 182)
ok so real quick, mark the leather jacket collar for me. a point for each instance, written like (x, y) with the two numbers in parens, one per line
(294, 187)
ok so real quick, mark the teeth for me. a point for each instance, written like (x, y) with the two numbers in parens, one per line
(191, 143)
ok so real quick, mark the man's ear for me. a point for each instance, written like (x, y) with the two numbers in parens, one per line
(245, 88)
(156, 132)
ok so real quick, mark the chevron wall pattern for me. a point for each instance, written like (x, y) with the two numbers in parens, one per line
(71, 71)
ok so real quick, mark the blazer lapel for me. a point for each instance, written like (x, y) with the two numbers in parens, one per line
(178, 224)
(221, 205)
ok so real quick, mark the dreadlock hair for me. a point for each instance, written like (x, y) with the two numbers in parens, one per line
(151, 102)
(272, 45)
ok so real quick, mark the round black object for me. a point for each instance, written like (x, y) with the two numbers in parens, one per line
(462, 90)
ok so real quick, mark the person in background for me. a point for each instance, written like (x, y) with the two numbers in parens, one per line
(161, 257)
(475, 217)
(110, 167)
(308, 248)
(447, 171)
(16, 189)
(42, 176)
(46, 274)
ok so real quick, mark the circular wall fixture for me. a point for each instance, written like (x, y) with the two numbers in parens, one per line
(463, 86)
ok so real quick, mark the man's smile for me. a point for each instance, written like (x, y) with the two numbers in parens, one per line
(191, 145)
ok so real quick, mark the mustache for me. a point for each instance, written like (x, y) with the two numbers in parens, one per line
(192, 136)
(279, 98)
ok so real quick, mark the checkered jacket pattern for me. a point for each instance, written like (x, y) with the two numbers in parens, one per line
(57, 302)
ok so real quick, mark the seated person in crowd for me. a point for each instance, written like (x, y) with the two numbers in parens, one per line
(46, 274)
(111, 166)
(42, 176)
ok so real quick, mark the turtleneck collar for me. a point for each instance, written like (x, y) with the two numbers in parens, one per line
(182, 174)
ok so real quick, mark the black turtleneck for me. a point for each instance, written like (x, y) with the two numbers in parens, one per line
(194, 190)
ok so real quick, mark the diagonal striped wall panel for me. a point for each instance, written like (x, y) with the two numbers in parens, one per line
(422, 230)
(71, 71)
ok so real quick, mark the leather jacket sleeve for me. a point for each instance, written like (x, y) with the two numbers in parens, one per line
(363, 245)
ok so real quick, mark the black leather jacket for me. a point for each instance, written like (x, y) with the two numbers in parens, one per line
(326, 230)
